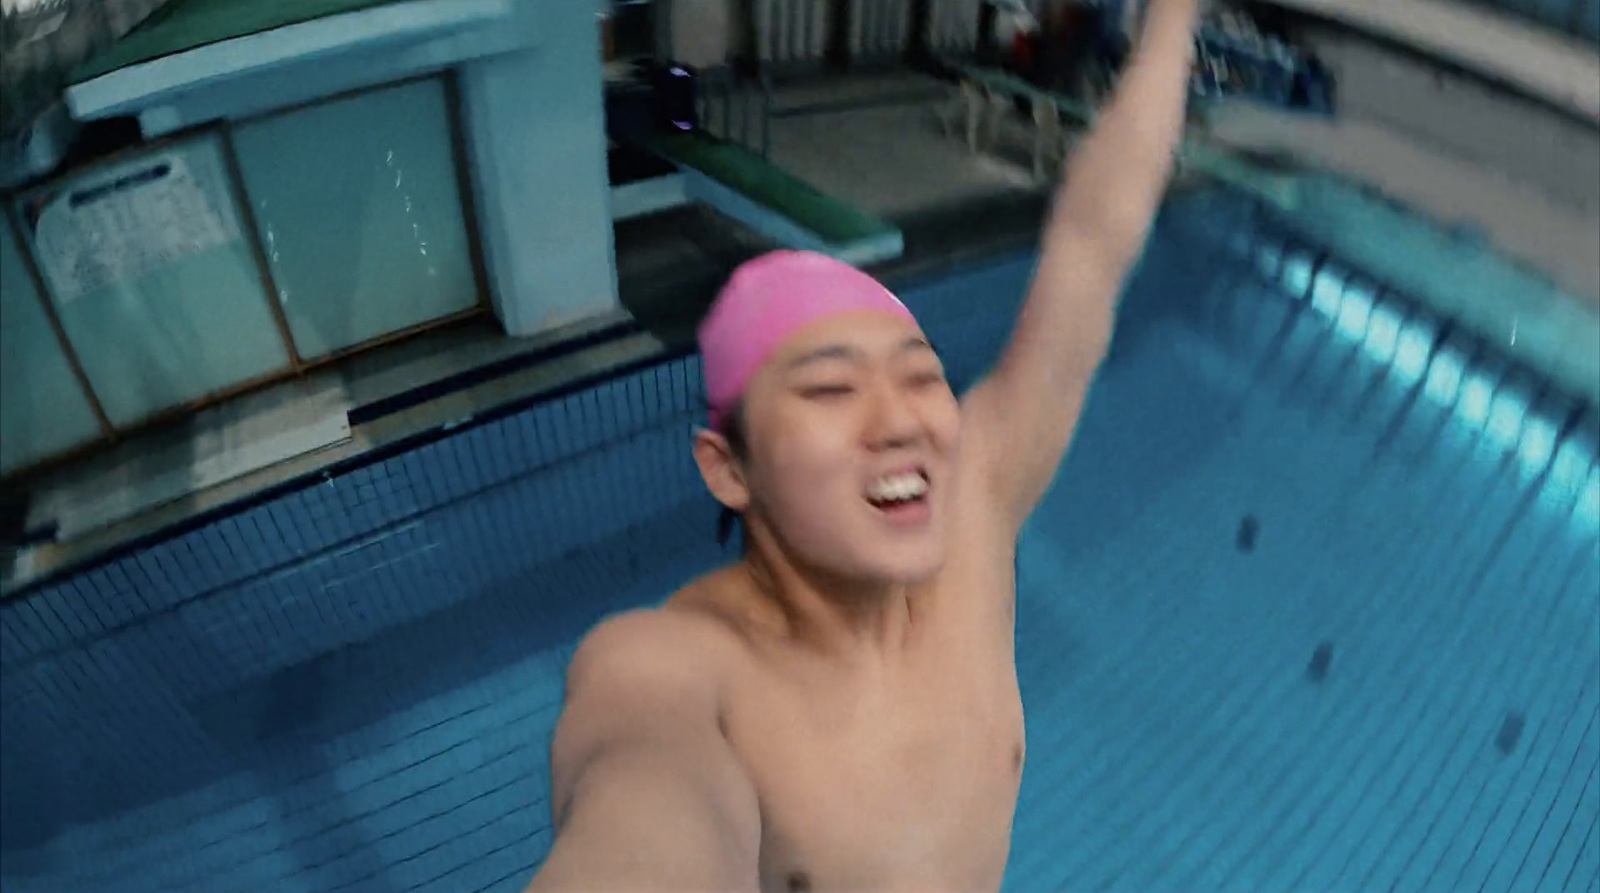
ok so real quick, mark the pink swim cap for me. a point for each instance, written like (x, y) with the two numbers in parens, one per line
(768, 299)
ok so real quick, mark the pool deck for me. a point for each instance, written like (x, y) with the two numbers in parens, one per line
(1527, 227)
(1553, 67)
(1511, 263)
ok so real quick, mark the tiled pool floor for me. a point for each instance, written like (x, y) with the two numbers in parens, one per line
(1285, 623)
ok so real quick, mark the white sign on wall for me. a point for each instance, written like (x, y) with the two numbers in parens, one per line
(124, 222)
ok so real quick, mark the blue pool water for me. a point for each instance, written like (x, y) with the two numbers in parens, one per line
(1313, 605)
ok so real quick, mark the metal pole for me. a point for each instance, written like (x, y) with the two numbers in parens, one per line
(1575, 9)
(742, 86)
(808, 16)
(766, 114)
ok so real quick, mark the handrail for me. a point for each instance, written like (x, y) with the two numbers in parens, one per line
(1197, 155)
(727, 88)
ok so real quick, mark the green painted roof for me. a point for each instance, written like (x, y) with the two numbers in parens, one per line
(185, 24)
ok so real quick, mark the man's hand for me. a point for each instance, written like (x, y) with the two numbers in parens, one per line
(1022, 416)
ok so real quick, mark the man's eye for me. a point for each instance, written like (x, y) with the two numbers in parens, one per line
(926, 379)
(824, 391)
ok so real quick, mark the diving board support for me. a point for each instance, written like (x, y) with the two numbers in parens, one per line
(539, 181)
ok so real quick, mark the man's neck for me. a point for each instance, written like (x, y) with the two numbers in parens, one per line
(827, 613)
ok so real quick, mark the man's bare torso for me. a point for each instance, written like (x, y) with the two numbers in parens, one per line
(886, 777)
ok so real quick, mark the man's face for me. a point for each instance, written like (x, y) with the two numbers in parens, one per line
(853, 433)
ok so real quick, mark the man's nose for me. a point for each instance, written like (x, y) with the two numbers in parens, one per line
(894, 421)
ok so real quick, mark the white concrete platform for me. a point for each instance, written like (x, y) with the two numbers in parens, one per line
(1563, 71)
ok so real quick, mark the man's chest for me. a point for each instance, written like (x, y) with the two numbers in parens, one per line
(907, 785)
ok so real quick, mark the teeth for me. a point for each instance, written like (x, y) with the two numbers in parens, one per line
(897, 487)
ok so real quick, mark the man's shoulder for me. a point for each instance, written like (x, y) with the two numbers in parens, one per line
(651, 638)
(676, 646)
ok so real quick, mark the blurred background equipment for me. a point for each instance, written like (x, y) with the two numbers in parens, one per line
(41, 42)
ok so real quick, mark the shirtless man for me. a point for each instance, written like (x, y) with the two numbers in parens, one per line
(839, 709)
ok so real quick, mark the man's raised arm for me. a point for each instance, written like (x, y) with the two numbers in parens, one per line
(1022, 416)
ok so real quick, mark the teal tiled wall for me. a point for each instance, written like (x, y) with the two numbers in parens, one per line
(43, 411)
(157, 331)
(359, 214)
(361, 223)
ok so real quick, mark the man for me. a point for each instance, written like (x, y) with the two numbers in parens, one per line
(839, 709)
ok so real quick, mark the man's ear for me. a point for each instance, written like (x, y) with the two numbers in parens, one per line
(720, 470)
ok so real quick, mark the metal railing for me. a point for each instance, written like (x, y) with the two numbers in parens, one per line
(792, 33)
(880, 30)
(735, 104)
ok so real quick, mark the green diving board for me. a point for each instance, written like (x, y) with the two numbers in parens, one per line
(775, 203)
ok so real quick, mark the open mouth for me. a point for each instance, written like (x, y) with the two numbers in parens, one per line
(899, 492)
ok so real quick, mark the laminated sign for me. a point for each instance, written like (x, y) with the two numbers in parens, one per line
(121, 225)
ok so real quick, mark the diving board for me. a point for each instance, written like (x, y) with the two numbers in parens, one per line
(741, 184)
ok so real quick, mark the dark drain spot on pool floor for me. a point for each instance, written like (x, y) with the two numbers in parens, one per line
(1510, 733)
(1321, 660)
(1245, 539)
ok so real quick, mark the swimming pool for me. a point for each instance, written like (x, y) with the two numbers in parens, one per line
(1314, 605)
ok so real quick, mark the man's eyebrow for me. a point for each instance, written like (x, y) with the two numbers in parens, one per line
(853, 354)
(826, 352)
